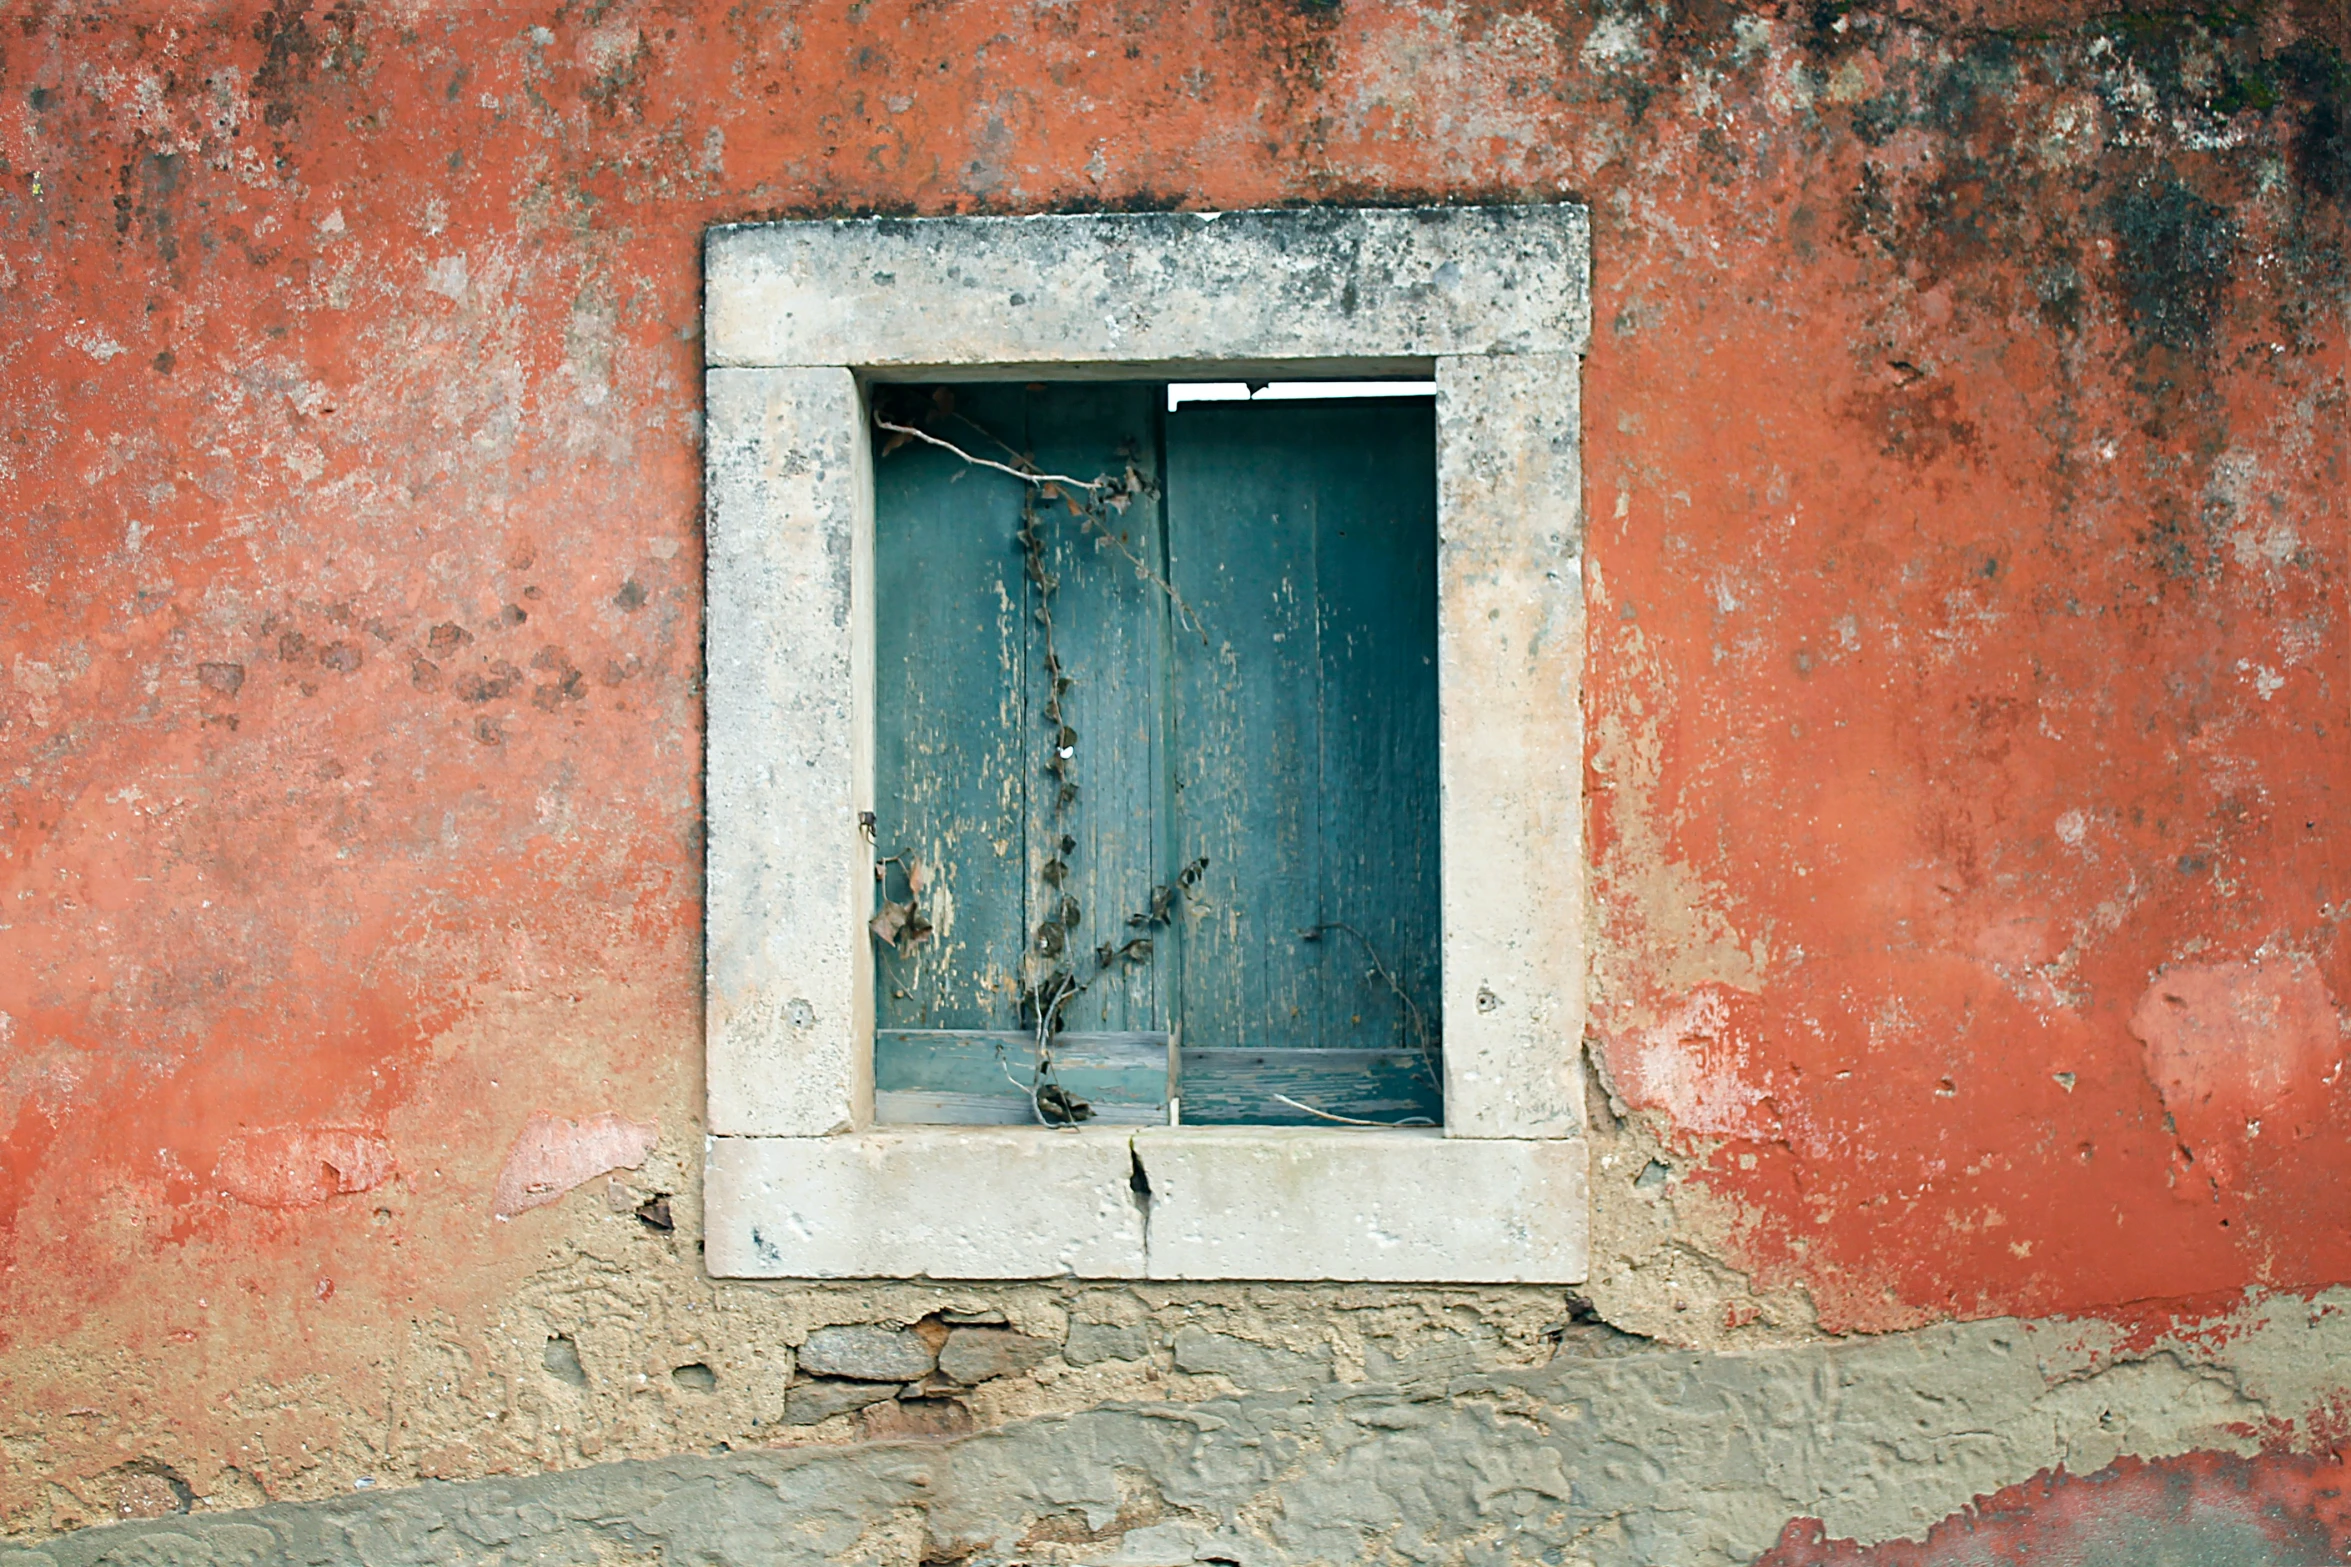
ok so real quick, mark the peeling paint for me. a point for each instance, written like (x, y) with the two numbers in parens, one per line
(296, 1166)
(550, 1156)
(1965, 434)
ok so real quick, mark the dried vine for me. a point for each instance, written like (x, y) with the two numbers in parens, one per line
(1050, 978)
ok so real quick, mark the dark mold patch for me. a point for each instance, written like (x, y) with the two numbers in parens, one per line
(2321, 144)
(2174, 255)
(1975, 94)
(293, 50)
(1875, 119)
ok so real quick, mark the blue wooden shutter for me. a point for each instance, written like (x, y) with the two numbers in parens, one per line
(1303, 535)
(1294, 748)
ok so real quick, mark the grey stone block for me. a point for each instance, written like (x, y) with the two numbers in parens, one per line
(867, 1354)
(810, 1402)
(1249, 1367)
(977, 1354)
(1093, 1342)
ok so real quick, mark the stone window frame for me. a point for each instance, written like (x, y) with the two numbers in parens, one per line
(1493, 303)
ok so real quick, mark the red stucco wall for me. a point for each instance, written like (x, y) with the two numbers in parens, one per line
(1966, 442)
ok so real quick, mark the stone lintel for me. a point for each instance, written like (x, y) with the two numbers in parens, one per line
(1164, 289)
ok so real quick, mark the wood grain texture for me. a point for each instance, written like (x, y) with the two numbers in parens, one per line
(1293, 747)
(951, 770)
(1304, 535)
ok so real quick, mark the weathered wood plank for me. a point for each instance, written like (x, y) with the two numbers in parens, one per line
(912, 1107)
(1247, 1087)
(952, 744)
(1305, 535)
(1241, 511)
(1376, 590)
(1110, 629)
(975, 1077)
(980, 1077)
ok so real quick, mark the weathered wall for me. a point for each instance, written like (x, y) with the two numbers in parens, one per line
(1966, 433)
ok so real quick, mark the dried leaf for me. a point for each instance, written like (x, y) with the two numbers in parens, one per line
(1060, 1107)
(1135, 949)
(917, 931)
(889, 922)
(914, 875)
(897, 439)
(1051, 492)
(1054, 871)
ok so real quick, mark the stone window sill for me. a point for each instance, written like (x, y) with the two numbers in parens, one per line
(1395, 1205)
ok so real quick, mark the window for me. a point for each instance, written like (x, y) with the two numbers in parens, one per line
(861, 637)
(1158, 761)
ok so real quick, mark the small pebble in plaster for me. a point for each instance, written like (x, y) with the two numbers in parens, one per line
(561, 1357)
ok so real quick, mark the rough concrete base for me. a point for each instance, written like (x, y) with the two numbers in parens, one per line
(1615, 1452)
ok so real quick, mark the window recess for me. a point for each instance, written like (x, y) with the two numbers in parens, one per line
(814, 620)
(1156, 811)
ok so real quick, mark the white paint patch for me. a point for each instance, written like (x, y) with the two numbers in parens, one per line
(2271, 546)
(1615, 41)
(1689, 1068)
(95, 343)
(447, 277)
